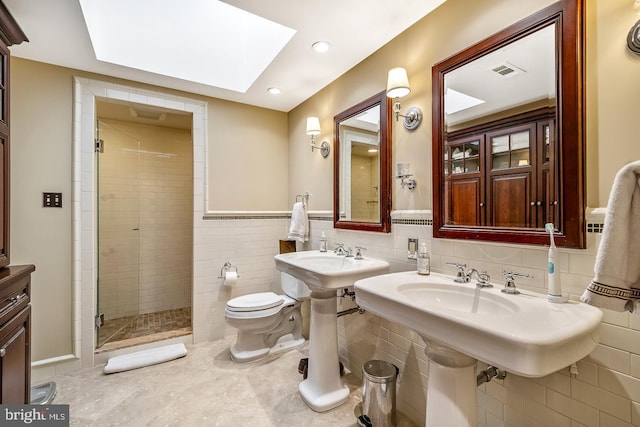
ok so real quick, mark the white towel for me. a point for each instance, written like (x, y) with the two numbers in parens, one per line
(299, 229)
(143, 358)
(616, 284)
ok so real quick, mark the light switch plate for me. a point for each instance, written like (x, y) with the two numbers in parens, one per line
(412, 249)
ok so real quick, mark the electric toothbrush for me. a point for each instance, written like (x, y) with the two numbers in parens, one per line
(555, 288)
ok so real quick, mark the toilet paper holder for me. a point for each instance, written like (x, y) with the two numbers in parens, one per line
(226, 267)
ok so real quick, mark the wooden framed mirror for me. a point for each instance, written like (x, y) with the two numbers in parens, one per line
(508, 149)
(361, 168)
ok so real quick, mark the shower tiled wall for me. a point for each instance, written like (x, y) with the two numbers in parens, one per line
(146, 187)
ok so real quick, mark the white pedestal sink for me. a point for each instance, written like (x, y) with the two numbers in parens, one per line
(324, 273)
(523, 334)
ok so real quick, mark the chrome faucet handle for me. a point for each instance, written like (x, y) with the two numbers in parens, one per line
(359, 250)
(339, 249)
(461, 276)
(510, 283)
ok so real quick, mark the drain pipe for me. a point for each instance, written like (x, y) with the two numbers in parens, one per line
(346, 293)
(488, 374)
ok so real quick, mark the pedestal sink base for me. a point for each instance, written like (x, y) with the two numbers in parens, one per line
(451, 387)
(322, 390)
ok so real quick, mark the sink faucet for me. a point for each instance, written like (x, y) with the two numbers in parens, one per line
(340, 250)
(465, 277)
(483, 278)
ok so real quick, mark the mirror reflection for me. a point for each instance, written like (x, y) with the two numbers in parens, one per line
(360, 166)
(361, 187)
(508, 147)
(499, 112)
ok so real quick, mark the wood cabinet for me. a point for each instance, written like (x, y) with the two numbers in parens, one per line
(15, 334)
(15, 281)
(502, 175)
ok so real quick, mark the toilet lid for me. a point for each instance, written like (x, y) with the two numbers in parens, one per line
(254, 302)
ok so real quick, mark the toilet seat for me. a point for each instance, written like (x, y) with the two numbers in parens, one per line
(255, 302)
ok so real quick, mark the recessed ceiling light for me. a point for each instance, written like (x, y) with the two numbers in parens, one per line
(372, 150)
(273, 91)
(321, 46)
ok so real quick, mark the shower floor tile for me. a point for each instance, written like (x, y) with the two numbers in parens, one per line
(145, 328)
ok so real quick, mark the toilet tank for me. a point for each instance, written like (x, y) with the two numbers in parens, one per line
(293, 287)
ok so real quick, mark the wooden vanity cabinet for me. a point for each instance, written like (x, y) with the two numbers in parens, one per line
(502, 175)
(15, 334)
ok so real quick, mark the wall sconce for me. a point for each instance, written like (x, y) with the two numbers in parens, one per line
(406, 179)
(633, 38)
(313, 129)
(397, 87)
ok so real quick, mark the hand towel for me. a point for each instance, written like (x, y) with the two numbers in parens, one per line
(299, 229)
(616, 285)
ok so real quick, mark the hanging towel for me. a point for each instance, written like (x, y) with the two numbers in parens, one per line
(299, 229)
(616, 284)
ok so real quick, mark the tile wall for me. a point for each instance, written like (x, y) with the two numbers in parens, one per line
(604, 393)
(145, 205)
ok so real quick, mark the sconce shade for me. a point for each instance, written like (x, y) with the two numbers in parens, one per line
(313, 126)
(397, 83)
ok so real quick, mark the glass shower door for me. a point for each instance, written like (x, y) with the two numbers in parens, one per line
(118, 218)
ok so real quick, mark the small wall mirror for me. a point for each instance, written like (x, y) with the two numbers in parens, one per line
(362, 185)
(508, 153)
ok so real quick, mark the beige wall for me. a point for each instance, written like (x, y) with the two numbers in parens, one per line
(247, 155)
(612, 90)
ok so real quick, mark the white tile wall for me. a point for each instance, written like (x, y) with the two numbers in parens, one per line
(606, 391)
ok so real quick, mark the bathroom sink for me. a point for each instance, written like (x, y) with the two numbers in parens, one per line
(328, 271)
(524, 334)
(323, 273)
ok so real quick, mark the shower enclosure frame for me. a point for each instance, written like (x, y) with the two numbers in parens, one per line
(84, 257)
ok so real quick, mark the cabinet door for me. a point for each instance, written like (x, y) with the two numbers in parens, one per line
(15, 387)
(511, 177)
(466, 204)
(4, 156)
(547, 171)
(464, 183)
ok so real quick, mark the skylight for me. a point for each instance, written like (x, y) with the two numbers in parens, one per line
(204, 41)
(455, 101)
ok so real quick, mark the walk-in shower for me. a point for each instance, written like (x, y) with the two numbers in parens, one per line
(144, 204)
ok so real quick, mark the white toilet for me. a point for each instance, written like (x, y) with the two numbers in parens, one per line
(267, 323)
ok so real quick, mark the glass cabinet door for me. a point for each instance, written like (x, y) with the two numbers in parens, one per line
(510, 150)
(463, 158)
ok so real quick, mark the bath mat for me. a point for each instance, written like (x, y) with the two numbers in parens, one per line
(144, 358)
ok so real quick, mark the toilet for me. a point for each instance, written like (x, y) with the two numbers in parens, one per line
(267, 323)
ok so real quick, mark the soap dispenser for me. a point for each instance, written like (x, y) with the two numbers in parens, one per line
(323, 242)
(424, 261)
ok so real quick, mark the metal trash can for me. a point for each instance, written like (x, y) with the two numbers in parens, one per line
(379, 392)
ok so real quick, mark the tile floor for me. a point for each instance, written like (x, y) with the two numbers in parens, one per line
(140, 329)
(205, 388)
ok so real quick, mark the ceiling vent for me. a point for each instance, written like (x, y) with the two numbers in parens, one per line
(507, 70)
(141, 113)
